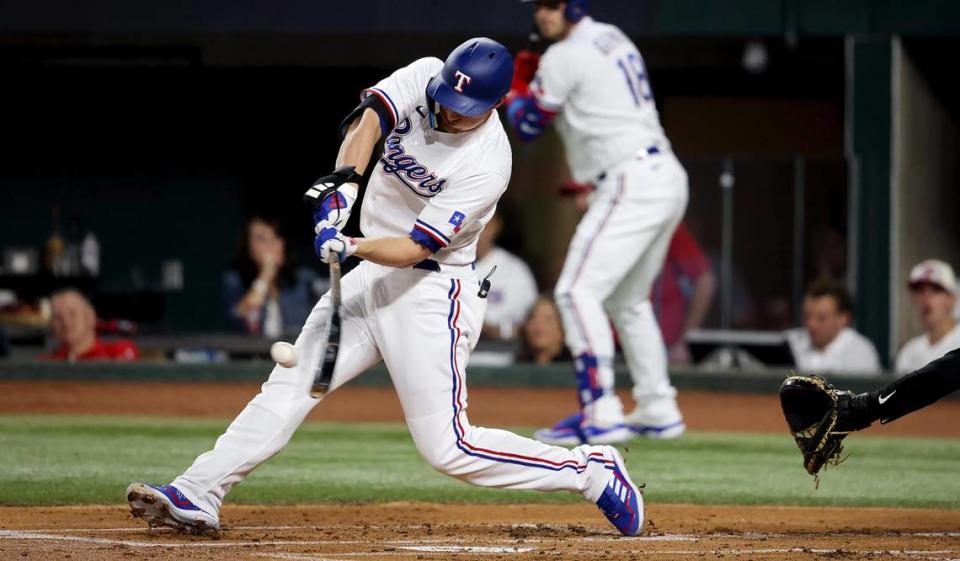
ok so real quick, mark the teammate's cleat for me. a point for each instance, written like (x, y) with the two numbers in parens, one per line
(622, 501)
(573, 432)
(666, 423)
(165, 506)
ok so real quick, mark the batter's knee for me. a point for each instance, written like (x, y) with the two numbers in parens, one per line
(568, 298)
(623, 308)
(439, 448)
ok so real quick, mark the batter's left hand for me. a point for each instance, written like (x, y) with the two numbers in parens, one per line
(331, 245)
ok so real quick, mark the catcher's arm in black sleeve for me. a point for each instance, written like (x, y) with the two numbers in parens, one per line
(820, 416)
(914, 391)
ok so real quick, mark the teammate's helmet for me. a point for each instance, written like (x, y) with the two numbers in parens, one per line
(576, 9)
(475, 77)
(573, 11)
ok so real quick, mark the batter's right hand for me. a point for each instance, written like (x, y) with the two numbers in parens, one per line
(331, 245)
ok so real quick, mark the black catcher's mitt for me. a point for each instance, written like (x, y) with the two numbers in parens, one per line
(816, 414)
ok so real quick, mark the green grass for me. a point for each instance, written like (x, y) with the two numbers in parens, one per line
(47, 460)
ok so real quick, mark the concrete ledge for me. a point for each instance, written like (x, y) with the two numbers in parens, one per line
(764, 381)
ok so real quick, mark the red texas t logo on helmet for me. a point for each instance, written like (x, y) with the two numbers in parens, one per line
(462, 80)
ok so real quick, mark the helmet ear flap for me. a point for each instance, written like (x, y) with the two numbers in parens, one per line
(433, 107)
(433, 110)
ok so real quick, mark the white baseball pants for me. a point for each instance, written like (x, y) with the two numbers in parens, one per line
(616, 253)
(423, 325)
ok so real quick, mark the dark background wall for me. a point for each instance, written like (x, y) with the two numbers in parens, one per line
(159, 126)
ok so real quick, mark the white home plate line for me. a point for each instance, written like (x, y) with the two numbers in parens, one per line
(20, 535)
(140, 528)
(657, 537)
(296, 557)
(449, 548)
(465, 549)
(916, 554)
(16, 535)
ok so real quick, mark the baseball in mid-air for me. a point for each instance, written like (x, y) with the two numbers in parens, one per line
(284, 354)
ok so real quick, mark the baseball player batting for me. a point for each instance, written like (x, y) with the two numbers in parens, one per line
(593, 82)
(413, 302)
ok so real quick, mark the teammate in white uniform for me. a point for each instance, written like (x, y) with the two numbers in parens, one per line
(933, 289)
(413, 302)
(594, 82)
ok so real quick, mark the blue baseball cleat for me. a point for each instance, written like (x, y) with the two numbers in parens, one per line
(573, 432)
(166, 506)
(660, 420)
(622, 501)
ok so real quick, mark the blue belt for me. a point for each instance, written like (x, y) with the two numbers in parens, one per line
(431, 265)
(428, 265)
(641, 154)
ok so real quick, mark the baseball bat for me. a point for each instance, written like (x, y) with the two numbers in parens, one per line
(331, 343)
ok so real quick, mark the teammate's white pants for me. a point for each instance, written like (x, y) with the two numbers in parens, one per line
(616, 253)
(423, 325)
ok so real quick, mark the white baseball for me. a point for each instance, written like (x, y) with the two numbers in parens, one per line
(284, 354)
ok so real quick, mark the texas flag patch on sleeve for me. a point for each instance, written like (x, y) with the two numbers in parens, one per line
(457, 221)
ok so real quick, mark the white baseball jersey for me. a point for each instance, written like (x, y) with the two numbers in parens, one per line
(596, 79)
(848, 352)
(595, 82)
(440, 188)
(917, 352)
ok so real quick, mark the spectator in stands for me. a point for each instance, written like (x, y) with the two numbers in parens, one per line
(683, 293)
(933, 288)
(541, 336)
(73, 322)
(265, 292)
(826, 342)
(513, 289)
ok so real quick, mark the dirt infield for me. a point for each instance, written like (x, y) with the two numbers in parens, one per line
(489, 406)
(401, 532)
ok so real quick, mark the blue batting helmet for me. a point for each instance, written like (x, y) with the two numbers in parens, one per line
(475, 77)
(576, 9)
(573, 11)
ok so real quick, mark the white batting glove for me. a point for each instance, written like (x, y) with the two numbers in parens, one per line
(331, 245)
(334, 210)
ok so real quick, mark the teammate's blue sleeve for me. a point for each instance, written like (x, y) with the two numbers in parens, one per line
(528, 116)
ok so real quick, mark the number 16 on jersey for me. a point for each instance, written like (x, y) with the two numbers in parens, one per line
(635, 73)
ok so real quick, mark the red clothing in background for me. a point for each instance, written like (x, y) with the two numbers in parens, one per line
(120, 349)
(685, 263)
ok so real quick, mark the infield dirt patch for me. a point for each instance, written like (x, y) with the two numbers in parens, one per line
(402, 532)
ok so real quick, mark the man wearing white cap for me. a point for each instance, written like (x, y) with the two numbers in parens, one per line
(933, 288)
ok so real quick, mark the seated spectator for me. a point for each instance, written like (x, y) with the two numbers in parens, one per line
(933, 287)
(541, 336)
(826, 342)
(73, 321)
(265, 292)
(513, 290)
